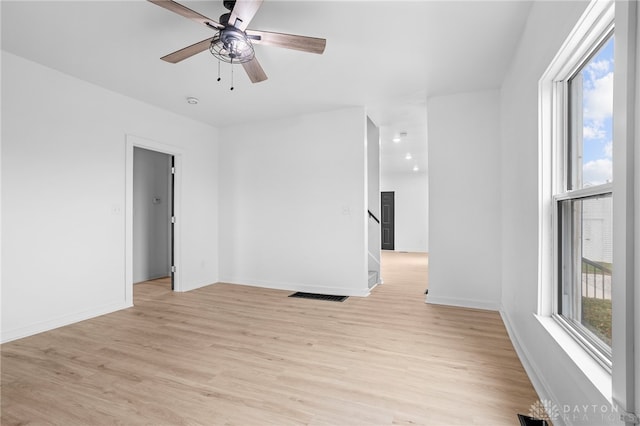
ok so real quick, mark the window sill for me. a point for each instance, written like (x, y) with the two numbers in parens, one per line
(592, 370)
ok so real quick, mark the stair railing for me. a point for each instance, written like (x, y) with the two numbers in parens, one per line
(594, 270)
(371, 215)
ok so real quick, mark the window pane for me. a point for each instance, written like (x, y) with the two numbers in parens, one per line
(586, 252)
(591, 120)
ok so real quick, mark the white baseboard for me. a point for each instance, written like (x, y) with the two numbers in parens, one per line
(537, 379)
(299, 287)
(463, 303)
(42, 326)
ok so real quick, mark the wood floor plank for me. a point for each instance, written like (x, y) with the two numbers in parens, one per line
(240, 355)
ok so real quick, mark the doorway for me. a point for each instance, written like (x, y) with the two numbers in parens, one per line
(387, 202)
(177, 153)
(153, 215)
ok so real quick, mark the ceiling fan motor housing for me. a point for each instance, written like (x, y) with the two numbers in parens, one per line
(224, 18)
(232, 45)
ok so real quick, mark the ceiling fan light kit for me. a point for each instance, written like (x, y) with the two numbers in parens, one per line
(232, 46)
(231, 43)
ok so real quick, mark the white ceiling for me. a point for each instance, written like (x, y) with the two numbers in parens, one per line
(385, 55)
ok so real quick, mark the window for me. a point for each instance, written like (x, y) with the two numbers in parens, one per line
(577, 176)
(588, 226)
(583, 201)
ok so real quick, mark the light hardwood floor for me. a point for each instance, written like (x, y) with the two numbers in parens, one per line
(235, 355)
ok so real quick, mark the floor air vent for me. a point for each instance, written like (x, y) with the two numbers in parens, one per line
(317, 296)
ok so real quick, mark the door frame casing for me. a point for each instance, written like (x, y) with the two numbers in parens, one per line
(131, 142)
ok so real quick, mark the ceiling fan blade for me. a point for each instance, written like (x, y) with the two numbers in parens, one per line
(243, 12)
(187, 52)
(254, 71)
(187, 13)
(288, 41)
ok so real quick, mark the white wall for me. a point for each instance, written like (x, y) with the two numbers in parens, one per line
(373, 198)
(464, 199)
(411, 209)
(555, 376)
(63, 196)
(373, 168)
(151, 215)
(293, 203)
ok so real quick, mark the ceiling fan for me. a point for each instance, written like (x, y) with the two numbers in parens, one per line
(233, 42)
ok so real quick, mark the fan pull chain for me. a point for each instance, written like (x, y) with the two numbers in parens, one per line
(231, 74)
(218, 70)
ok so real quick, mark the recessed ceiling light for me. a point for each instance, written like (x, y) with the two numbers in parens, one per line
(396, 139)
(408, 156)
(416, 168)
(192, 101)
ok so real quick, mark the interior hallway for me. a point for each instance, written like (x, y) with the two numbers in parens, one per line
(227, 354)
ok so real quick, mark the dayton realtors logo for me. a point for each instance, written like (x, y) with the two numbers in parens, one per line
(544, 410)
(602, 414)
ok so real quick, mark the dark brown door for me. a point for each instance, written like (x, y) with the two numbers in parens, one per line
(388, 217)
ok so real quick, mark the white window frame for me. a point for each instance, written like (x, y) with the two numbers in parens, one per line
(600, 32)
(624, 375)
(595, 27)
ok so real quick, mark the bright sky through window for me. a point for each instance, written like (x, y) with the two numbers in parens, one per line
(598, 117)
